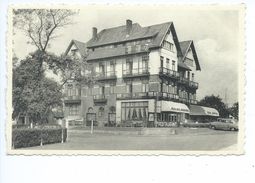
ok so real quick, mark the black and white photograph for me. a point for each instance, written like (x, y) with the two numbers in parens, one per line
(126, 80)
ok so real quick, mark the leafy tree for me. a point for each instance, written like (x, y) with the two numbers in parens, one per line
(32, 95)
(234, 110)
(215, 102)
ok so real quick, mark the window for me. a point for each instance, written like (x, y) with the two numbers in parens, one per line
(138, 48)
(161, 61)
(145, 86)
(129, 88)
(112, 86)
(129, 49)
(167, 63)
(100, 112)
(134, 111)
(188, 75)
(173, 65)
(101, 68)
(129, 65)
(193, 75)
(169, 46)
(74, 52)
(145, 57)
(112, 68)
(73, 110)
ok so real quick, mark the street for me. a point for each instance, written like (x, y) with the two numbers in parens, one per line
(193, 139)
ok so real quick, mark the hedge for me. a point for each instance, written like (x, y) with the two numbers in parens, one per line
(35, 137)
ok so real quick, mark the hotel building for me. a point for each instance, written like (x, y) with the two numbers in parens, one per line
(144, 77)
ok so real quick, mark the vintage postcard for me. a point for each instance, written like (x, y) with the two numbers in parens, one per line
(126, 80)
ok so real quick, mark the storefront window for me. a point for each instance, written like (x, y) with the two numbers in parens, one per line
(134, 111)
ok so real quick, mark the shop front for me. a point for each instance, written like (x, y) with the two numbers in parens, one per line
(171, 114)
(203, 114)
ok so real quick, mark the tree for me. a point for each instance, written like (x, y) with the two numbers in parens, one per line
(40, 26)
(215, 102)
(234, 110)
(33, 96)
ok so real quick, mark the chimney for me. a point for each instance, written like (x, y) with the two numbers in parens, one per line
(94, 33)
(128, 26)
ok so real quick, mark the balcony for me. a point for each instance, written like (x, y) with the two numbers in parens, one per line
(148, 95)
(184, 100)
(184, 81)
(188, 83)
(165, 72)
(193, 84)
(72, 99)
(139, 95)
(139, 72)
(100, 98)
(107, 76)
(168, 96)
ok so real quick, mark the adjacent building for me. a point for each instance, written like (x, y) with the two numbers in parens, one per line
(144, 77)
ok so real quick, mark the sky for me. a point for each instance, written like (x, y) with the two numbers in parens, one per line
(215, 33)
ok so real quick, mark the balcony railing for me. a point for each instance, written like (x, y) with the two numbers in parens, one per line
(188, 83)
(100, 98)
(138, 95)
(193, 84)
(184, 100)
(168, 73)
(138, 72)
(148, 95)
(184, 81)
(111, 75)
(72, 99)
(168, 96)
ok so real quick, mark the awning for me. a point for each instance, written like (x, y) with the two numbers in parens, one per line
(174, 107)
(196, 110)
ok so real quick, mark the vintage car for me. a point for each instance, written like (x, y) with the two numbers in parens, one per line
(224, 124)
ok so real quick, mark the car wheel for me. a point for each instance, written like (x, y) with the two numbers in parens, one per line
(232, 129)
(213, 127)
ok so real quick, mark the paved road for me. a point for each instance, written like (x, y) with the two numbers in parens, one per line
(205, 139)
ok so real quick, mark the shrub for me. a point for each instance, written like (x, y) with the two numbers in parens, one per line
(34, 137)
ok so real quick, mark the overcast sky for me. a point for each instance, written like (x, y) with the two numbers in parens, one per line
(215, 34)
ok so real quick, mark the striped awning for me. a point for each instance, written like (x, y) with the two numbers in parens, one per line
(196, 110)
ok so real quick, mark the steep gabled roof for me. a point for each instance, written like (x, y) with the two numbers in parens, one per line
(81, 46)
(119, 35)
(185, 46)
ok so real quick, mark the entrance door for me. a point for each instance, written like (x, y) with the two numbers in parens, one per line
(89, 118)
(111, 119)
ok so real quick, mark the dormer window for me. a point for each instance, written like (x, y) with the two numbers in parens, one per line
(74, 52)
(167, 45)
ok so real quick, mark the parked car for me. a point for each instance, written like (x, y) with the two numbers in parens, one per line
(224, 124)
